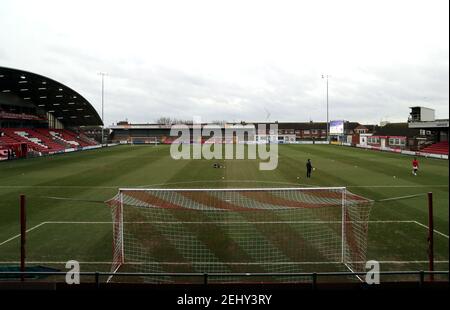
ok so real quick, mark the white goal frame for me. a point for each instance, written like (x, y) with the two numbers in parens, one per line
(119, 246)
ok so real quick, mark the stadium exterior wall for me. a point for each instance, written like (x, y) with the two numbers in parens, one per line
(71, 150)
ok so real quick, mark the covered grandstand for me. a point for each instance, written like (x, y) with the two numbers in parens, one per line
(41, 116)
(423, 119)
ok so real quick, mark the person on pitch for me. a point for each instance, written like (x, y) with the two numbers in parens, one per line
(415, 164)
(309, 168)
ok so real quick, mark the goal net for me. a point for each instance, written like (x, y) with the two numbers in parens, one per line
(267, 230)
(144, 140)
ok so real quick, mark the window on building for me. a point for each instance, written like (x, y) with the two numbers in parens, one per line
(373, 140)
(397, 141)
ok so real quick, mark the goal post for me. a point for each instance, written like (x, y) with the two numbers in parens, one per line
(23, 235)
(116, 205)
(252, 230)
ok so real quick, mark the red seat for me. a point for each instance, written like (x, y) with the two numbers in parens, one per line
(42, 143)
(440, 148)
(41, 140)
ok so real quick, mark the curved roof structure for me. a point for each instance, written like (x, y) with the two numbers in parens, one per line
(68, 106)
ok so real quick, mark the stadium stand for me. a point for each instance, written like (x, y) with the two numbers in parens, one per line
(66, 137)
(45, 140)
(4, 139)
(79, 137)
(42, 115)
(17, 116)
(437, 148)
(34, 140)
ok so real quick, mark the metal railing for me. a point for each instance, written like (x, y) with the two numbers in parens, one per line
(313, 277)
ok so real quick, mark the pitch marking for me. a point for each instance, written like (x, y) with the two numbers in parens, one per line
(222, 222)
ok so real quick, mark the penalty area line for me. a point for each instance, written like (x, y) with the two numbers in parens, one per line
(434, 230)
(18, 235)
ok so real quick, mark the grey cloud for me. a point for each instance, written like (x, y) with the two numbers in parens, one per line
(143, 93)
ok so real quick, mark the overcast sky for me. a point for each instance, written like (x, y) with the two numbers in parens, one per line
(237, 60)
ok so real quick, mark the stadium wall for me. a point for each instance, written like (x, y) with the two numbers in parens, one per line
(400, 151)
(69, 150)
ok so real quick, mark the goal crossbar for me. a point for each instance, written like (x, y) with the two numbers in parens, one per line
(248, 189)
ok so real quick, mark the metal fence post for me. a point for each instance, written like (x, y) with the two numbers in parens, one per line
(430, 236)
(97, 280)
(23, 236)
(314, 280)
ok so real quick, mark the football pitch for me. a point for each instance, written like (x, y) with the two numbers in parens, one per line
(67, 218)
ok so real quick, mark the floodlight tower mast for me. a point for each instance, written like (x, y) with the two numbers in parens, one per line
(103, 93)
(328, 121)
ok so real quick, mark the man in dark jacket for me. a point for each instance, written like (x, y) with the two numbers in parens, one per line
(309, 168)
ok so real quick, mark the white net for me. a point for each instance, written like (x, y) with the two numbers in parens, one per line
(144, 140)
(239, 231)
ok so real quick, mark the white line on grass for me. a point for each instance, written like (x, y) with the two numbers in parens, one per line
(58, 186)
(290, 183)
(18, 235)
(260, 222)
(401, 197)
(223, 181)
(399, 186)
(228, 263)
(435, 231)
(222, 222)
(220, 181)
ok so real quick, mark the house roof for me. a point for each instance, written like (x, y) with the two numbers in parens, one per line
(396, 129)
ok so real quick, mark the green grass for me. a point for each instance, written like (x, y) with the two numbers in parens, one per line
(97, 174)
